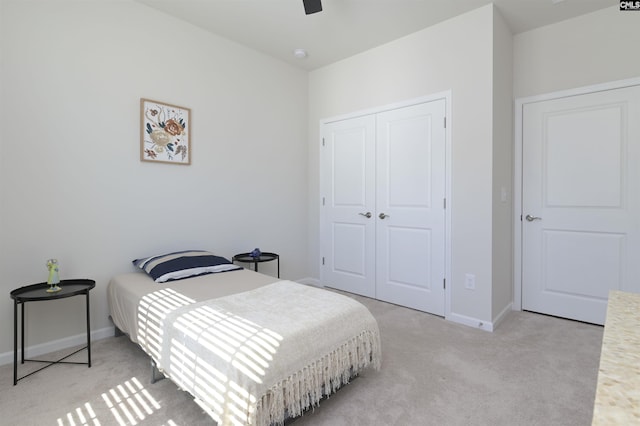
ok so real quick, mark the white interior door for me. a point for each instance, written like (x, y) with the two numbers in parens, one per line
(348, 224)
(410, 211)
(580, 196)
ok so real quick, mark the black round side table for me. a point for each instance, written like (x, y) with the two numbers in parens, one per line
(264, 257)
(36, 293)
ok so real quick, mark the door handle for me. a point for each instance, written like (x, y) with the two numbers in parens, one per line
(367, 214)
(382, 215)
(532, 218)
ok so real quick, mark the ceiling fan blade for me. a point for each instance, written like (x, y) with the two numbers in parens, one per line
(312, 6)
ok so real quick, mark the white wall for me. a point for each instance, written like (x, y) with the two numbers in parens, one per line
(502, 260)
(71, 183)
(455, 55)
(595, 48)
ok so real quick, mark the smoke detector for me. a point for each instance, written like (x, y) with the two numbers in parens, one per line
(300, 53)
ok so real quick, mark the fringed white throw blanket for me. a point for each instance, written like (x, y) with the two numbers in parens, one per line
(258, 357)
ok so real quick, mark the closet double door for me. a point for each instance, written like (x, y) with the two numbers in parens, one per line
(383, 206)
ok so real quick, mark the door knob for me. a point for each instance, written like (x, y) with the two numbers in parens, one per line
(532, 218)
(367, 214)
(382, 215)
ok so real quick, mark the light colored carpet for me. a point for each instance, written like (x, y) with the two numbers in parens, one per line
(533, 370)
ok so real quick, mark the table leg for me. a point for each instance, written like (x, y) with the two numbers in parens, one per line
(15, 342)
(255, 266)
(278, 266)
(88, 333)
(22, 333)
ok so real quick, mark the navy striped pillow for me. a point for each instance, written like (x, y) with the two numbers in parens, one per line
(183, 264)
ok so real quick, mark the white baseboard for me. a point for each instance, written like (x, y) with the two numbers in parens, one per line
(457, 318)
(310, 281)
(470, 321)
(502, 315)
(56, 345)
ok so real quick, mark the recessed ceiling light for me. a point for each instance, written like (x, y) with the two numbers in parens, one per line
(300, 53)
(556, 1)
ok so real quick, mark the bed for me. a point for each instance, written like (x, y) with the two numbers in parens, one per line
(251, 349)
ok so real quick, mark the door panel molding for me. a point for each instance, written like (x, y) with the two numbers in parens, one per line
(446, 96)
(411, 149)
(519, 213)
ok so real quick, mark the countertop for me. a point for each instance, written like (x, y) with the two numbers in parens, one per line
(618, 393)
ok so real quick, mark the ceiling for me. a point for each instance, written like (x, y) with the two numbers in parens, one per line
(347, 27)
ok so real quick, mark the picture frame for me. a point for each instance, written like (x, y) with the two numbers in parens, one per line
(165, 132)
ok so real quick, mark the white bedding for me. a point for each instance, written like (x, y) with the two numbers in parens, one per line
(254, 357)
(126, 290)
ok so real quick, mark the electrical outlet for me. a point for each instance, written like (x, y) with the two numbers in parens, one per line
(470, 281)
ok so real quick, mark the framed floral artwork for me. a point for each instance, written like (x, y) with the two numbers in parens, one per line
(164, 132)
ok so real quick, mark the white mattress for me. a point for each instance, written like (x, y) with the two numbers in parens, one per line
(126, 290)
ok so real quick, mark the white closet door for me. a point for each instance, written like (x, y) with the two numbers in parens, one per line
(410, 211)
(348, 224)
(581, 195)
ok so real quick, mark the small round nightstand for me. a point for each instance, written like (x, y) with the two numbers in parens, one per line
(264, 257)
(37, 293)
